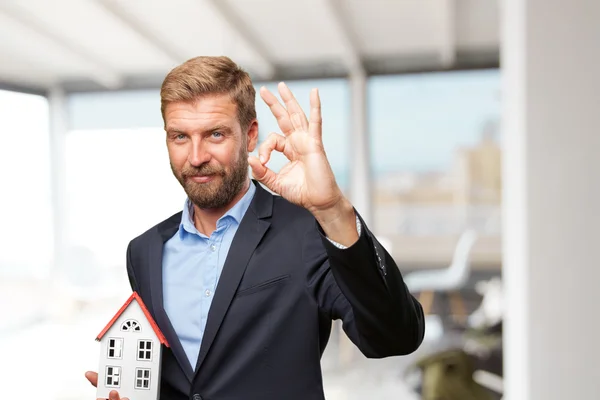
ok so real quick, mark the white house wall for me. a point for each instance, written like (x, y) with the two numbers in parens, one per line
(128, 362)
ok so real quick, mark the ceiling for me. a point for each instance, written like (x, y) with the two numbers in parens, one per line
(84, 45)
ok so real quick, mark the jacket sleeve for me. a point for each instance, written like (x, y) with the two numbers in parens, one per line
(362, 286)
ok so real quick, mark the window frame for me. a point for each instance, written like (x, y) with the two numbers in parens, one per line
(115, 348)
(142, 379)
(147, 351)
(112, 376)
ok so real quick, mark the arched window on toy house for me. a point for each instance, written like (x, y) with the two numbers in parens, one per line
(131, 325)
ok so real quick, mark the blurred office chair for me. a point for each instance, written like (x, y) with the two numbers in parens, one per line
(449, 280)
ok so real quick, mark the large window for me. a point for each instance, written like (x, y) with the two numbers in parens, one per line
(26, 210)
(119, 184)
(118, 177)
(436, 162)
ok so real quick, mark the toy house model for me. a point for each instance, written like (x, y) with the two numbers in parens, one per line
(130, 353)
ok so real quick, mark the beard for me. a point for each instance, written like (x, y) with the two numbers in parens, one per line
(221, 189)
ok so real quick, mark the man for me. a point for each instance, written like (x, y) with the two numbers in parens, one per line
(245, 284)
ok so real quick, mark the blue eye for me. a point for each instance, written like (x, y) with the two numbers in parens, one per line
(217, 134)
(181, 136)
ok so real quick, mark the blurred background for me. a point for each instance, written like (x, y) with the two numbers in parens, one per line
(442, 151)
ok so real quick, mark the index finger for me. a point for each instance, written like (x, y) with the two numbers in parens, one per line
(280, 113)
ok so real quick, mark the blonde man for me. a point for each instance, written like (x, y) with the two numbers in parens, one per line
(245, 284)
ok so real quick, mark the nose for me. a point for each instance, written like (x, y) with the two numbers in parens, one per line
(199, 153)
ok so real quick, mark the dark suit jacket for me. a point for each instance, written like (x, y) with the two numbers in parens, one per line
(281, 286)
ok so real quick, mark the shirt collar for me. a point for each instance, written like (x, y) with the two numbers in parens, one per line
(236, 212)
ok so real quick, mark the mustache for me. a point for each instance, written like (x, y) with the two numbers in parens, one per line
(201, 170)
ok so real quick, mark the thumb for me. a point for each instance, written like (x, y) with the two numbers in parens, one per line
(92, 377)
(262, 173)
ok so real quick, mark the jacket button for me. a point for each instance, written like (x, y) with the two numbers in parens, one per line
(197, 397)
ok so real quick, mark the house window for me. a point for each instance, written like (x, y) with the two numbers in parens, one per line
(131, 325)
(142, 378)
(113, 377)
(115, 347)
(144, 350)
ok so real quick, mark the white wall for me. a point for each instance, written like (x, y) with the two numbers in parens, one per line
(551, 91)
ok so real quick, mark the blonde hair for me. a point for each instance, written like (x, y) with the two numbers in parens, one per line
(201, 76)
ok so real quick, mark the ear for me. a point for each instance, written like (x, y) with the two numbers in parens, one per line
(252, 133)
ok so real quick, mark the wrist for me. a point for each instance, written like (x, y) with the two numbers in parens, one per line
(339, 222)
(336, 211)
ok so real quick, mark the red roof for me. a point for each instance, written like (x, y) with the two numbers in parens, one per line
(137, 297)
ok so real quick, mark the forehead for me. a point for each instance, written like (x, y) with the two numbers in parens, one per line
(203, 113)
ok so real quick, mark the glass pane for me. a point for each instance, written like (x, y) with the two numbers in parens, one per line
(141, 355)
(147, 373)
(111, 353)
(138, 383)
(25, 185)
(146, 383)
(142, 343)
(93, 183)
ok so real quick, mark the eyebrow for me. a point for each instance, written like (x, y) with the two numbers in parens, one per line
(218, 128)
(224, 128)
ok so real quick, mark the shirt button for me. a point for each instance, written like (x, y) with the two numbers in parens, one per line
(207, 293)
(213, 247)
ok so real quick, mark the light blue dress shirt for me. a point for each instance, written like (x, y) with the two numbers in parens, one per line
(192, 265)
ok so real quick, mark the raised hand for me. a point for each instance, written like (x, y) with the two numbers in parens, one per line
(307, 180)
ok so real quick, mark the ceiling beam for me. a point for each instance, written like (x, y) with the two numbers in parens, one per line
(448, 33)
(19, 88)
(265, 68)
(335, 14)
(116, 9)
(98, 70)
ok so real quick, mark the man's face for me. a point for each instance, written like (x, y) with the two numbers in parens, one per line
(208, 150)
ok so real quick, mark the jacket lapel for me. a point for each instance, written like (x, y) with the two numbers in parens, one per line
(155, 255)
(249, 234)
